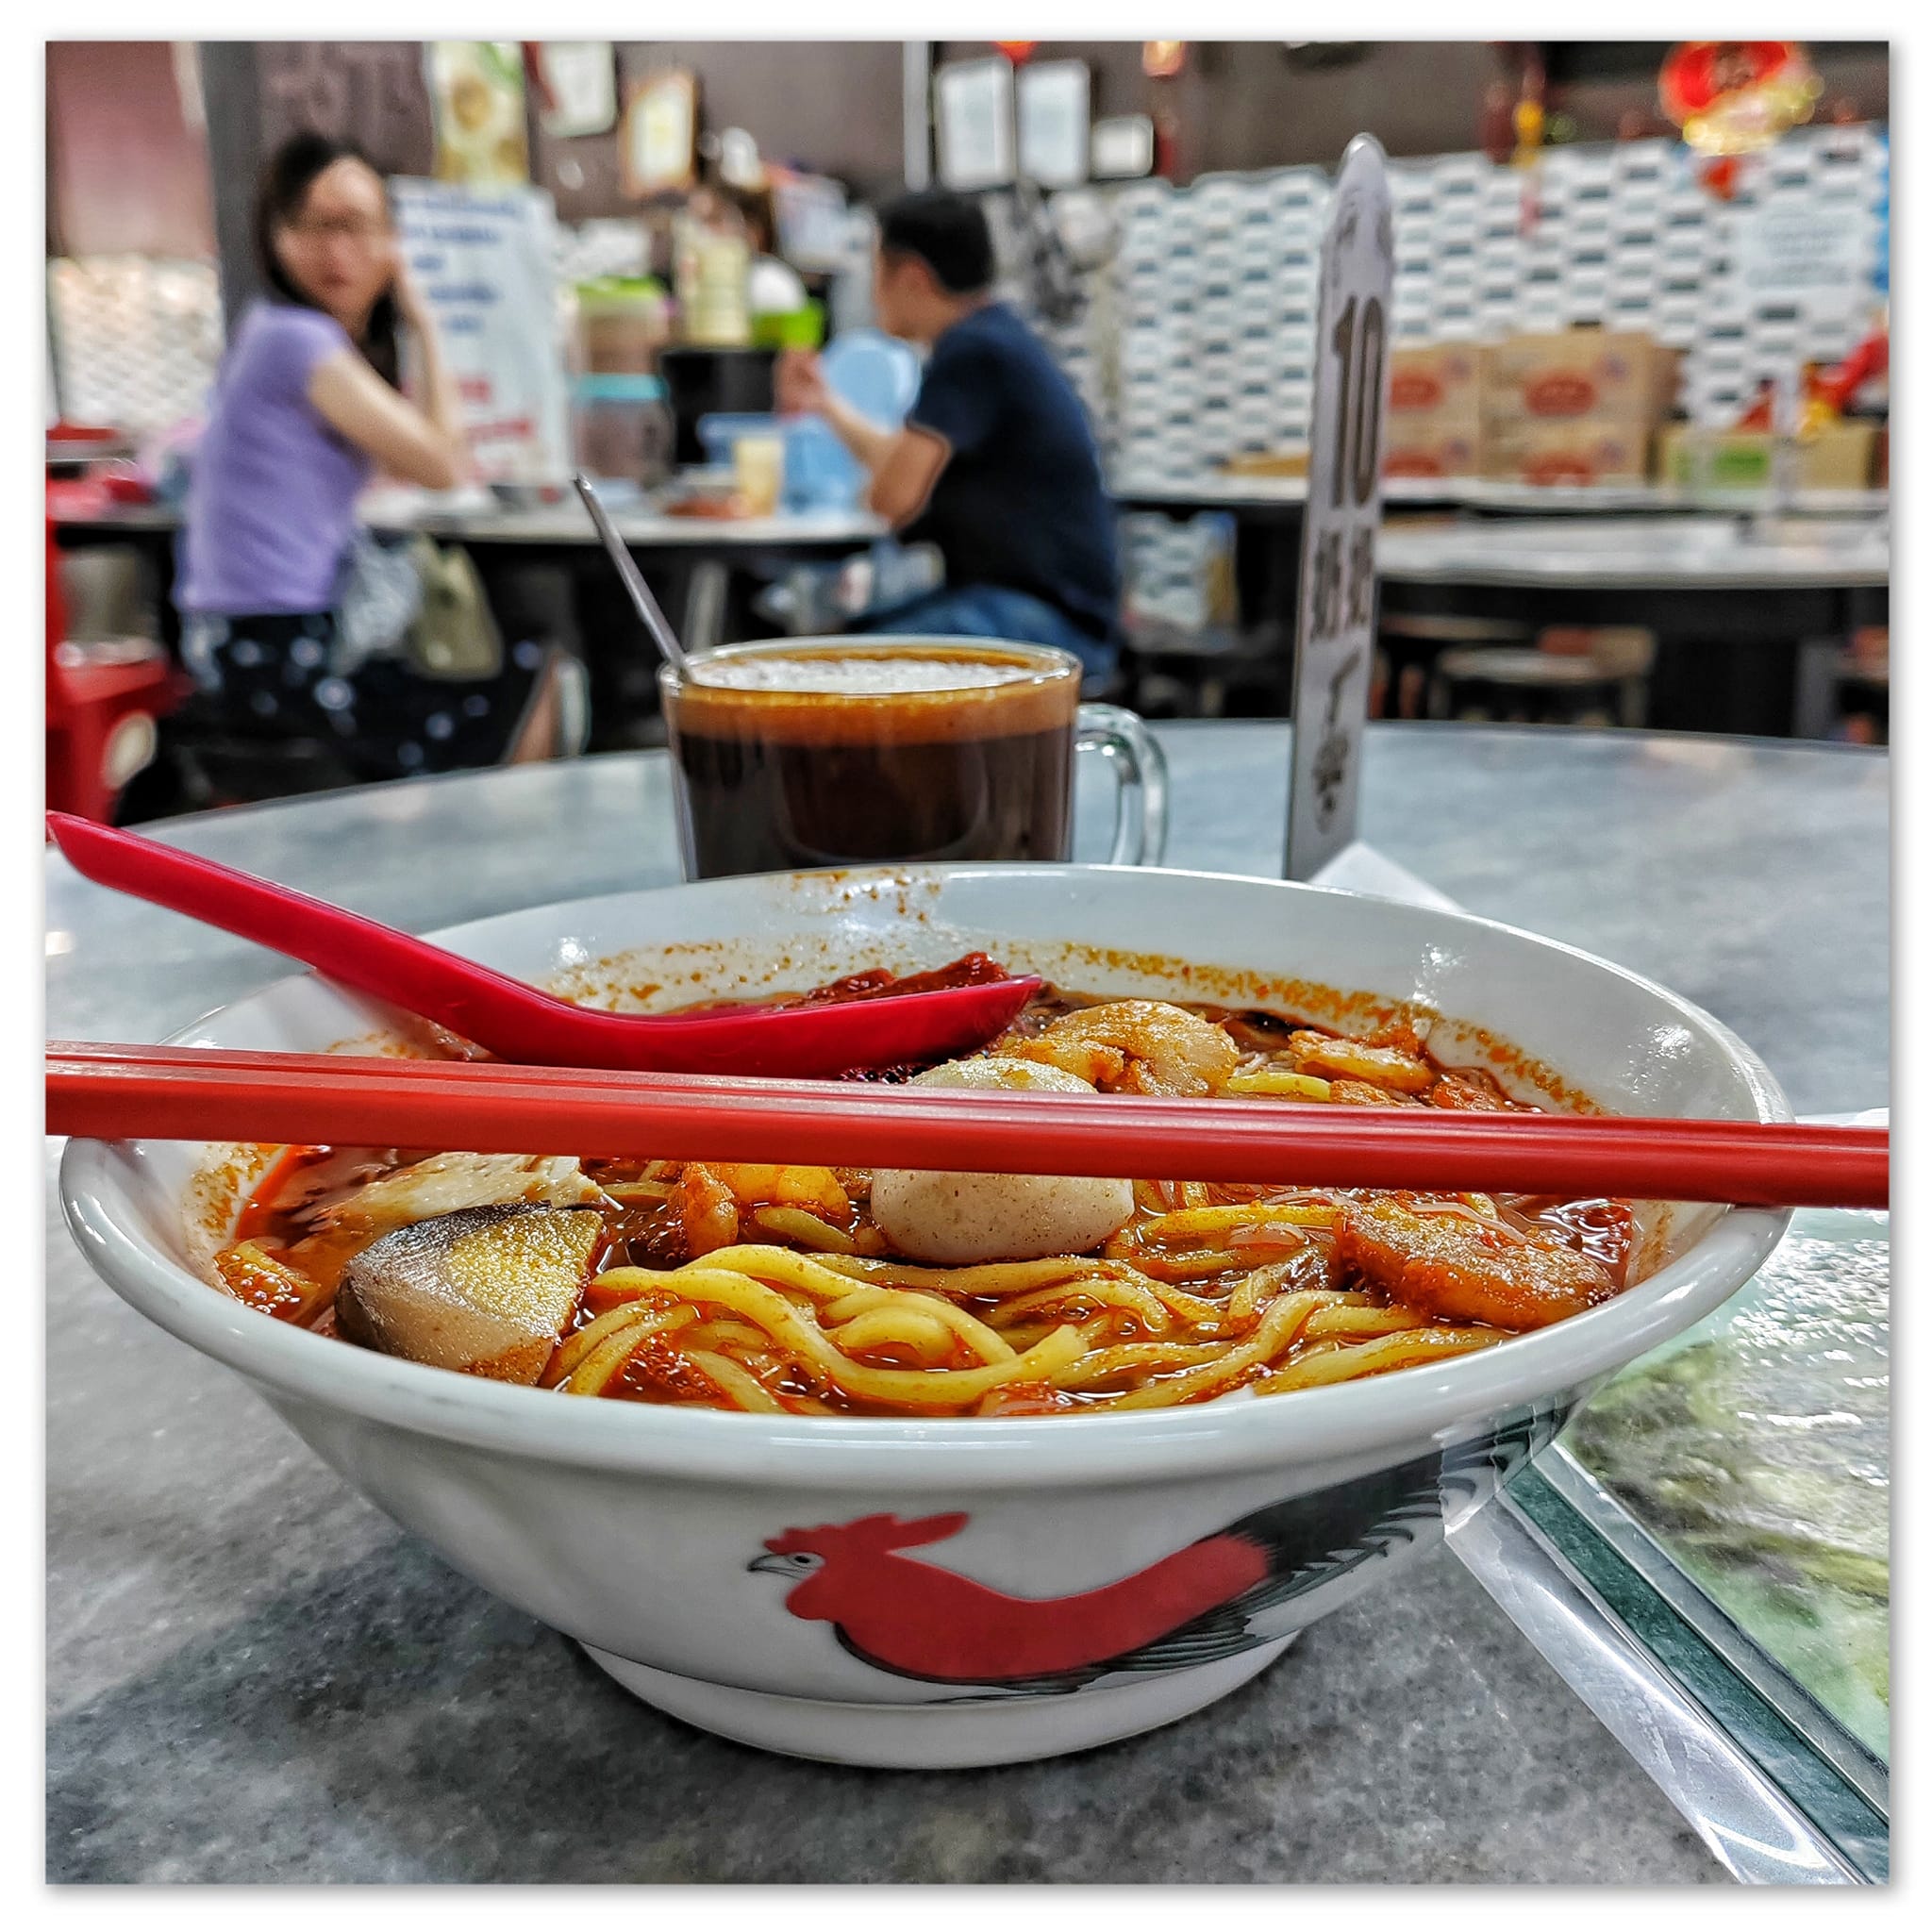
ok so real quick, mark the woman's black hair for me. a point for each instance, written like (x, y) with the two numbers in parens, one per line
(286, 180)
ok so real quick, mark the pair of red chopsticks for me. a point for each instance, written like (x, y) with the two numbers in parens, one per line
(157, 1092)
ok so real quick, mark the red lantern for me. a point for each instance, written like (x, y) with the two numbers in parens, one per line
(1733, 97)
(1018, 52)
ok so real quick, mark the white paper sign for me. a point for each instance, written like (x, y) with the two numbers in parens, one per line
(975, 123)
(813, 221)
(1810, 255)
(1124, 147)
(484, 263)
(581, 77)
(1335, 626)
(1054, 122)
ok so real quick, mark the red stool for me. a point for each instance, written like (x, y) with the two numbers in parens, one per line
(103, 701)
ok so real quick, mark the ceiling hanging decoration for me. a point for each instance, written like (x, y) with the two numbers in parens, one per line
(1528, 127)
(1733, 98)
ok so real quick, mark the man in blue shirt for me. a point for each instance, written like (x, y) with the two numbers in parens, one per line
(995, 465)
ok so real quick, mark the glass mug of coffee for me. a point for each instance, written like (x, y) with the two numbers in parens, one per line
(867, 751)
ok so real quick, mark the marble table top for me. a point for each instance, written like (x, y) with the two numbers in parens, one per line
(470, 518)
(252, 1675)
(1689, 551)
(1147, 491)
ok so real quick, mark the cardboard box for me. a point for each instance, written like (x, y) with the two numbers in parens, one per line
(1286, 462)
(1432, 444)
(1589, 449)
(1440, 380)
(1578, 374)
(1435, 411)
(1841, 458)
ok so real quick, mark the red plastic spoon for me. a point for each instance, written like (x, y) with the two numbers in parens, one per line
(516, 1022)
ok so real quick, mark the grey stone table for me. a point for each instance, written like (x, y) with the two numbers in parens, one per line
(252, 1675)
(1261, 495)
(473, 517)
(1698, 553)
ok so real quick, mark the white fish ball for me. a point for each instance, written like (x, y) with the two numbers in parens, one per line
(954, 1220)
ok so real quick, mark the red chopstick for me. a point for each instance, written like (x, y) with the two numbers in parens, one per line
(185, 1094)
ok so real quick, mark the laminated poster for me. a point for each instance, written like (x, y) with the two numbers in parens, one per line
(660, 135)
(476, 100)
(485, 264)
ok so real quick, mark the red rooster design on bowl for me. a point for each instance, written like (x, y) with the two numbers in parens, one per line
(901, 1613)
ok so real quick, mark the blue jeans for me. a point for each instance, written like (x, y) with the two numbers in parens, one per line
(991, 610)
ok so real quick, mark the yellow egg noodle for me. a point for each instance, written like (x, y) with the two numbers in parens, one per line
(791, 1288)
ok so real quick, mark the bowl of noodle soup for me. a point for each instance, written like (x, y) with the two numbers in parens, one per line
(847, 1492)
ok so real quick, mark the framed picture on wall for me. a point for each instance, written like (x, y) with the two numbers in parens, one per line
(659, 142)
(476, 99)
(576, 88)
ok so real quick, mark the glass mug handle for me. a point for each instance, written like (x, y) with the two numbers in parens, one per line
(1140, 834)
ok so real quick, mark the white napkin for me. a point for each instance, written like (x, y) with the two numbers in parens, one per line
(1360, 868)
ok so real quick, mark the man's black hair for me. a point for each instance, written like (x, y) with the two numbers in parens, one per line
(947, 232)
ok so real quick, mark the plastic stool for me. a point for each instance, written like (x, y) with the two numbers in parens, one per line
(1409, 643)
(102, 704)
(1533, 687)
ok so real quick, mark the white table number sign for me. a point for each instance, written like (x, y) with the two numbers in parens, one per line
(1335, 624)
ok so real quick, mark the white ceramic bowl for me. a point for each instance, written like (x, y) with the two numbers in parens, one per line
(641, 1532)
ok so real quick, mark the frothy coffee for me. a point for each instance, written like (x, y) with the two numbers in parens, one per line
(860, 693)
(857, 753)
(865, 676)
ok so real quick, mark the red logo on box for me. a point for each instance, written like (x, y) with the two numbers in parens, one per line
(1564, 466)
(1561, 392)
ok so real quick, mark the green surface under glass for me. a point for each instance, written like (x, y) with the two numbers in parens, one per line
(1754, 1450)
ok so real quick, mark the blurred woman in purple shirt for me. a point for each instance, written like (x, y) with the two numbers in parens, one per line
(305, 409)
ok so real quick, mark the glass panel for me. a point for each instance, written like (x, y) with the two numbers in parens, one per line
(1754, 1450)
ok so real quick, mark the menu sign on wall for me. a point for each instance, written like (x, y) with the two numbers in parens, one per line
(484, 264)
(1052, 114)
(1810, 256)
(974, 104)
(1335, 628)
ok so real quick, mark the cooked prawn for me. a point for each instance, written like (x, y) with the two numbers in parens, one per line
(1361, 1094)
(1137, 1046)
(1359, 1059)
(707, 1210)
(712, 1199)
(759, 1184)
(1459, 1090)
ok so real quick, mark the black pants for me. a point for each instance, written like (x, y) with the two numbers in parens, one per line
(265, 679)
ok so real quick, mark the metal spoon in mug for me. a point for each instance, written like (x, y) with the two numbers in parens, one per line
(641, 600)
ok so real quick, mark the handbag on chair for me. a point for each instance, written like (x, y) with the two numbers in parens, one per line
(417, 602)
(454, 634)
